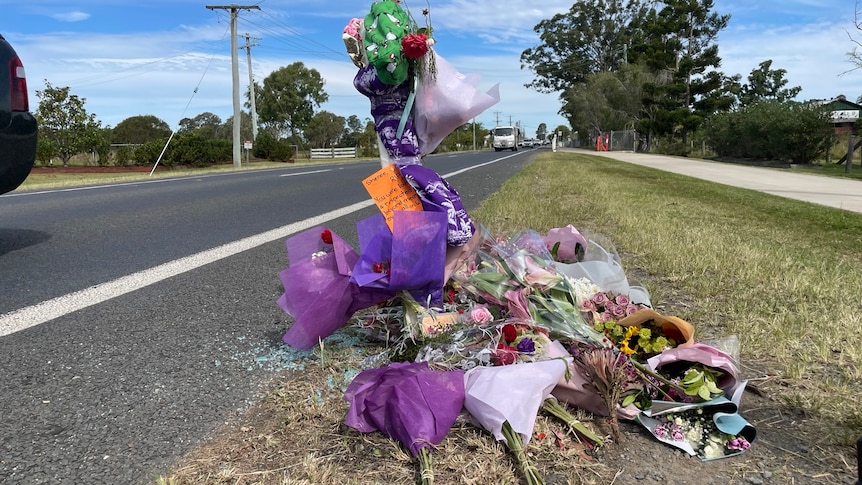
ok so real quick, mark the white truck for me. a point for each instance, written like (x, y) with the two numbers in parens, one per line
(507, 138)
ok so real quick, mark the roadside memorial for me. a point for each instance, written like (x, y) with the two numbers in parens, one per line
(467, 318)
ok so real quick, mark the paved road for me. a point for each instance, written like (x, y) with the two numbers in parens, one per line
(829, 191)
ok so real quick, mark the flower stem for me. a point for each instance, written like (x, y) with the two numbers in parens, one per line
(516, 446)
(644, 369)
(554, 408)
(426, 466)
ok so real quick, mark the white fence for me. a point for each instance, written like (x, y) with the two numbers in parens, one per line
(318, 153)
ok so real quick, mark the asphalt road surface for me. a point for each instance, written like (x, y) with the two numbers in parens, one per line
(136, 319)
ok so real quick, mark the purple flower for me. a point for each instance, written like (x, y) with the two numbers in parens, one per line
(622, 300)
(600, 298)
(526, 346)
(660, 431)
(618, 311)
(631, 309)
(738, 443)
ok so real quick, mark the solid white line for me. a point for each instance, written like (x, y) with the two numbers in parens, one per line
(48, 310)
(57, 307)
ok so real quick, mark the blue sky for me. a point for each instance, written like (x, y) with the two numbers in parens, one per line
(171, 59)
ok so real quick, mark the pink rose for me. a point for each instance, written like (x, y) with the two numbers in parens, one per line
(481, 315)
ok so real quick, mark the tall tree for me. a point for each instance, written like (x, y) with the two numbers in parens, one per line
(137, 130)
(324, 130)
(593, 36)
(606, 101)
(764, 83)
(353, 132)
(288, 98)
(65, 127)
(207, 124)
(542, 131)
(679, 44)
(855, 56)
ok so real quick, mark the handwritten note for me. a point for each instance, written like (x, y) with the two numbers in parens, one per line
(391, 192)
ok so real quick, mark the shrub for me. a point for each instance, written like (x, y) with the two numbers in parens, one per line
(770, 130)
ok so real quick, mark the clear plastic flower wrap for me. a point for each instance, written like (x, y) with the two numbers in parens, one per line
(446, 101)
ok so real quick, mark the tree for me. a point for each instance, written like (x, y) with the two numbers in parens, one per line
(137, 130)
(854, 56)
(678, 45)
(324, 130)
(766, 84)
(607, 101)
(288, 97)
(225, 131)
(591, 37)
(542, 131)
(207, 124)
(64, 124)
(563, 132)
(354, 132)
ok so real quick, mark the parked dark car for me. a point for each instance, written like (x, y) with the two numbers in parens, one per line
(18, 126)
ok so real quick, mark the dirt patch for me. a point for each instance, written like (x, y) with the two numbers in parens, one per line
(297, 435)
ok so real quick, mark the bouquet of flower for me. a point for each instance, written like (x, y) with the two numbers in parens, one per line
(517, 276)
(605, 306)
(645, 333)
(710, 430)
(504, 400)
(408, 402)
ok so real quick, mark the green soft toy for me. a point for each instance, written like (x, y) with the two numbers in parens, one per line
(385, 26)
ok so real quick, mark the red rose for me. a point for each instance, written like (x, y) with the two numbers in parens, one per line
(505, 355)
(510, 333)
(326, 236)
(414, 45)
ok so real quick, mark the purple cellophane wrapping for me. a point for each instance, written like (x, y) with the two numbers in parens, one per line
(407, 401)
(438, 196)
(415, 249)
(318, 292)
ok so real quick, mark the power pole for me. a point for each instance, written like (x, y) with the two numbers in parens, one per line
(251, 93)
(234, 57)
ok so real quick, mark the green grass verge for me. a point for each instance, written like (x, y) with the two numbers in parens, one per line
(782, 275)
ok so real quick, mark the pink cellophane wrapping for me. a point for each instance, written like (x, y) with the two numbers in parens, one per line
(699, 353)
(447, 101)
(512, 393)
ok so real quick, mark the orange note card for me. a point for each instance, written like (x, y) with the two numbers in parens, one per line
(391, 192)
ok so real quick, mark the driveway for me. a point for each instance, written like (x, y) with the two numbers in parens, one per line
(829, 191)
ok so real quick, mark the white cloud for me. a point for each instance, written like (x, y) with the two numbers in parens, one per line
(70, 16)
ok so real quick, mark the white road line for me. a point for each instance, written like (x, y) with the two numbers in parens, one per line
(303, 173)
(48, 310)
(57, 307)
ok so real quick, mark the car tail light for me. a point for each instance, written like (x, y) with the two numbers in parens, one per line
(18, 82)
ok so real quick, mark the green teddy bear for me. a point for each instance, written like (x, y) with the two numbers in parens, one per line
(385, 26)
